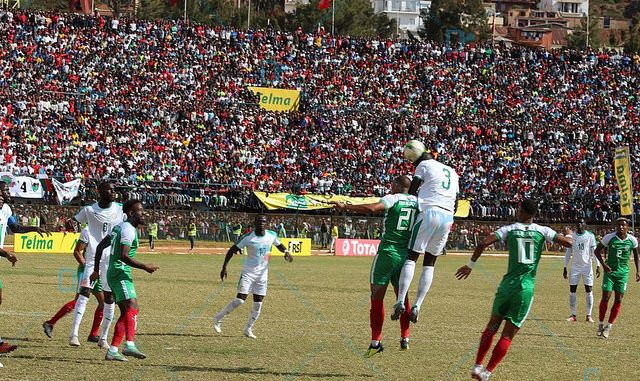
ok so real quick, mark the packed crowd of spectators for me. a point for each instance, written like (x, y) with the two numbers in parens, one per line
(151, 101)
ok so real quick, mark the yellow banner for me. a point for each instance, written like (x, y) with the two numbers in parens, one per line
(298, 247)
(307, 202)
(55, 243)
(277, 99)
(319, 201)
(623, 176)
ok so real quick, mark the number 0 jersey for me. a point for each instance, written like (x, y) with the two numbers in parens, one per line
(525, 243)
(400, 211)
(440, 185)
(258, 251)
(99, 222)
(618, 252)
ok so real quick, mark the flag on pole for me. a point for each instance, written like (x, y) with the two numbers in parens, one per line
(324, 4)
(623, 176)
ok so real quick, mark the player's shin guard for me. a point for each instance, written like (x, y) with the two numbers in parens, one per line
(615, 310)
(97, 319)
(603, 309)
(62, 311)
(404, 320)
(376, 319)
(78, 312)
(572, 303)
(107, 318)
(425, 284)
(130, 324)
(233, 304)
(498, 353)
(485, 344)
(406, 276)
(254, 314)
(118, 331)
(589, 298)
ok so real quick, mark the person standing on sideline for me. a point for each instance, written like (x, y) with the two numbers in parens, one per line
(335, 234)
(618, 245)
(254, 275)
(324, 234)
(525, 242)
(153, 235)
(436, 186)
(580, 255)
(191, 232)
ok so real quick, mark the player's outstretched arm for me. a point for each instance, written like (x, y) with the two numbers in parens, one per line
(232, 250)
(72, 225)
(126, 259)
(376, 207)
(287, 255)
(10, 257)
(20, 229)
(563, 240)
(464, 271)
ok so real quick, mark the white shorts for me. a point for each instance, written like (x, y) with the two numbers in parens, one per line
(430, 231)
(253, 284)
(586, 275)
(83, 280)
(104, 267)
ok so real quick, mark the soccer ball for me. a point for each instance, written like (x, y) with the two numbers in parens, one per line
(413, 150)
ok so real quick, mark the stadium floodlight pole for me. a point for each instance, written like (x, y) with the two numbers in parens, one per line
(249, 15)
(185, 10)
(587, 47)
(333, 17)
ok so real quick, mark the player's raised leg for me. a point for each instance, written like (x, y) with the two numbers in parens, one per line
(406, 276)
(64, 310)
(232, 305)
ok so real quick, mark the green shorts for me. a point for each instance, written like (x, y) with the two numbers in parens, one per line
(122, 289)
(615, 282)
(387, 264)
(513, 304)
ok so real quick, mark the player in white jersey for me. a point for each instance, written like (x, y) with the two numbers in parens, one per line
(8, 221)
(437, 187)
(100, 218)
(580, 255)
(253, 277)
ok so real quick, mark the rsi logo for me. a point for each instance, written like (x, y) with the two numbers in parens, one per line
(295, 247)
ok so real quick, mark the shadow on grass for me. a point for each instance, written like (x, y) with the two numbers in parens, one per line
(89, 360)
(174, 334)
(259, 371)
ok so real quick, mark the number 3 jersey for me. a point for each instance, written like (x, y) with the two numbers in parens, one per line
(525, 243)
(440, 185)
(99, 222)
(258, 251)
(618, 252)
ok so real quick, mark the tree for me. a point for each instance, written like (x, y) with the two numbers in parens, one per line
(442, 15)
(59, 5)
(578, 39)
(475, 19)
(632, 45)
(352, 17)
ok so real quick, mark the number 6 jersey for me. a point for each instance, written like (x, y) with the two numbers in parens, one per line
(99, 222)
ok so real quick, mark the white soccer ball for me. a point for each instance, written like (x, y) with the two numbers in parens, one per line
(413, 150)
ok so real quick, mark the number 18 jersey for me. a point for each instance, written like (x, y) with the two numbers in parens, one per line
(525, 243)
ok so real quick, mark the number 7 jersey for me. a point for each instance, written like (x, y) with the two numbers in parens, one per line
(525, 243)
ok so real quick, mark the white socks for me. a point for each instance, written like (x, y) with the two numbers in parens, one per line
(233, 304)
(425, 284)
(107, 317)
(589, 302)
(254, 314)
(406, 276)
(78, 312)
(572, 303)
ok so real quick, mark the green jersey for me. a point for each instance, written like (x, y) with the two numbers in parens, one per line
(618, 252)
(400, 211)
(525, 243)
(122, 234)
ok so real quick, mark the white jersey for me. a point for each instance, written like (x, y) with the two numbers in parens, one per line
(84, 236)
(99, 224)
(581, 252)
(258, 251)
(5, 215)
(440, 185)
